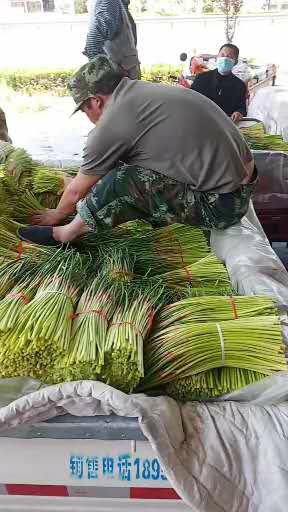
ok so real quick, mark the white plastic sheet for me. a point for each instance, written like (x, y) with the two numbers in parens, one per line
(11, 389)
(253, 266)
(270, 391)
(243, 71)
(270, 105)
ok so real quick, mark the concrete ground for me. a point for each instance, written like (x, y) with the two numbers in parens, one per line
(46, 129)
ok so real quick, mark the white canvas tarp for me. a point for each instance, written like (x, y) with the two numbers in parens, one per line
(270, 105)
(219, 457)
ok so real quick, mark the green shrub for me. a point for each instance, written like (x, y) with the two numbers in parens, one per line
(80, 6)
(33, 82)
(54, 83)
(160, 73)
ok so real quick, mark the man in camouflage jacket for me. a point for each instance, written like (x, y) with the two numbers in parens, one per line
(159, 153)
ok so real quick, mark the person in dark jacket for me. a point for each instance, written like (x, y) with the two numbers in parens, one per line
(112, 31)
(222, 87)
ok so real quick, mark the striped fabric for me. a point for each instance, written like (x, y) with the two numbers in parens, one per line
(105, 24)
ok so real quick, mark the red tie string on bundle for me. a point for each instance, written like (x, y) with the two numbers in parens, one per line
(122, 324)
(19, 250)
(98, 312)
(127, 332)
(188, 273)
(184, 264)
(164, 253)
(170, 356)
(234, 307)
(171, 375)
(150, 321)
(177, 246)
(19, 295)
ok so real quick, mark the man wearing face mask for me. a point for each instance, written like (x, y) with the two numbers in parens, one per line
(222, 87)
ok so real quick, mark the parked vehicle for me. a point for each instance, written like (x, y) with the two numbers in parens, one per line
(99, 464)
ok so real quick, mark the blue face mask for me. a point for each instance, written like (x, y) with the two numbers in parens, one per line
(225, 65)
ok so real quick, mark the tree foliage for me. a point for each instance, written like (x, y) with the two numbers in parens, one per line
(231, 10)
(80, 6)
(210, 6)
(164, 7)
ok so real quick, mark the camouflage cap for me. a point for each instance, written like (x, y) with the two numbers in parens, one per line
(95, 77)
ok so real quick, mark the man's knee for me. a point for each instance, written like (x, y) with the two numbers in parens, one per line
(116, 183)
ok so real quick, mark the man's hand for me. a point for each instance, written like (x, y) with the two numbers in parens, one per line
(236, 117)
(47, 218)
(75, 189)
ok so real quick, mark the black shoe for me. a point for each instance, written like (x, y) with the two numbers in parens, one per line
(40, 235)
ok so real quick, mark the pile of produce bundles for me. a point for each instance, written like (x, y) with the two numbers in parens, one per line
(137, 307)
(61, 319)
(22, 178)
(257, 139)
(204, 347)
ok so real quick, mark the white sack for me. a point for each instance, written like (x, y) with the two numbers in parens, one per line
(270, 105)
(253, 266)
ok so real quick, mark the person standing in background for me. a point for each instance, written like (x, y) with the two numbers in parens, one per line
(112, 31)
